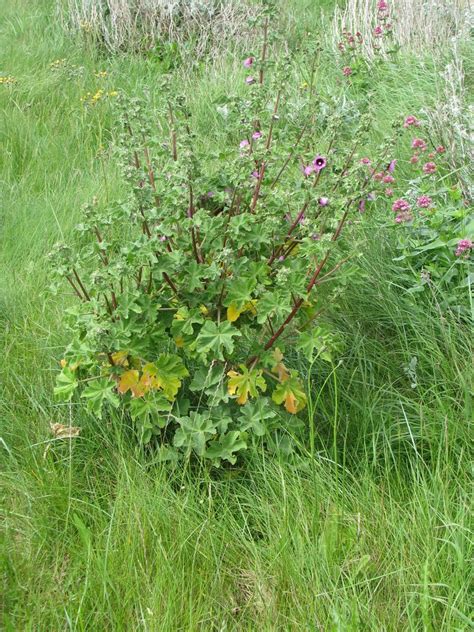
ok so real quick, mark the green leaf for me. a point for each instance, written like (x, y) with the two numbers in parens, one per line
(214, 337)
(226, 446)
(147, 409)
(317, 343)
(246, 384)
(255, 415)
(194, 431)
(98, 393)
(66, 384)
(273, 304)
(239, 292)
(204, 378)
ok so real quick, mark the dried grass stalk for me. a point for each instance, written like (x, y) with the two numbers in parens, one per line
(209, 25)
(418, 25)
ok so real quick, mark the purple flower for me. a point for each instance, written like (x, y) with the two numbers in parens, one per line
(210, 194)
(248, 62)
(388, 179)
(244, 143)
(257, 135)
(378, 31)
(362, 206)
(319, 163)
(419, 143)
(365, 161)
(400, 205)
(308, 170)
(404, 216)
(250, 80)
(315, 236)
(281, 258)
(424, 201)
(163, 238)
(429, 167)
(347, 71)
(323, 201)
(464, 246)
(411, 120)
(255, 174)
(391, 166)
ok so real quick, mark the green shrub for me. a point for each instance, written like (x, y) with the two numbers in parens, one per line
(195, 290)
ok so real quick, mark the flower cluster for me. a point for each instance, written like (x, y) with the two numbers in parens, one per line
(349, 48)
(90, 98)
(7, 80)
(464, 247)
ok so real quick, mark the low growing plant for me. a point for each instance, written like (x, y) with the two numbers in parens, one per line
(194, 292)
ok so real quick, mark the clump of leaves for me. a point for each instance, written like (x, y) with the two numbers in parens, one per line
(194, 290)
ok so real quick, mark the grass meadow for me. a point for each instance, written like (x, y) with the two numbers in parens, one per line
(367, 528)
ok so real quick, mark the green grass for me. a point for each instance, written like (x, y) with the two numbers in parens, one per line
(370, 534)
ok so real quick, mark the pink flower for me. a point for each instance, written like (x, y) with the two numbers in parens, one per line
(431, 155)
(389, 192)
(424, 201)
(382, 5)
(347, 71)
(464, 246)
(389, 179)
(391, 166)
(440, 149)
(378, 176)
(257, 135)
(419, 143)
(411, 120)
(405, 216)
(308, 170)
(429, 167)
(323, 201)
(255, 174)
(244, 143)
(248, 62)
(414, 159)
(250, 80)
(378, 31)
(319, 163)
(365, 161)
(400, 205)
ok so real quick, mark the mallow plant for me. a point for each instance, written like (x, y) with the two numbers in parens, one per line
(194, 292)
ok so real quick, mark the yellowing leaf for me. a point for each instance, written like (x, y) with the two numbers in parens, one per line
(129, 381)
(63, 363)
(290, 392)
(203, 309)
(179, 341)
(251, 306)
(245, 384)
(233, 313)
(279, 367)
(120, 358)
